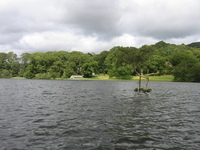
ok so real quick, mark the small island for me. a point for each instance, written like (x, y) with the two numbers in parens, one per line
(142, 89)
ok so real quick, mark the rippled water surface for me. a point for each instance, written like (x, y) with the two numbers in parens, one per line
(98, 115)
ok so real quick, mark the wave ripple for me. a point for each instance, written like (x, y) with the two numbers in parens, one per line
(94, 115)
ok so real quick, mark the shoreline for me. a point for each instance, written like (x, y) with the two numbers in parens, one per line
(164, 78)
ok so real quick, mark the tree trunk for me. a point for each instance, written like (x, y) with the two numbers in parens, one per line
(140, 82)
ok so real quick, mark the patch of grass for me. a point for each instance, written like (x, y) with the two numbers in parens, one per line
(162, 78)
(18, 78)
(157, 78)
(106, 77)
(101, 77)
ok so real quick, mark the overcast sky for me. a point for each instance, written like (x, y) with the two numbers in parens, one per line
(95, 25)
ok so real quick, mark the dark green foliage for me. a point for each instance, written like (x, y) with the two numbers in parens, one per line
(194, 73)
(30, 72)
(120, 62)
(100, 59)
(124, 72)
(195, 44)
(148, 90)
(68, 72)
(10, 63)
(142, 90)
(29, 75)
(5, 74)
(185, 67)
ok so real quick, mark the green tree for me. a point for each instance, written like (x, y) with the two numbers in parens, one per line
(194, 73)
(56, 70)
(124, 72)
(25, 60)
(159, 65)
(76, 60)
(100, 58)
(5, 74)
(143, 58)
(183, 63)
(120, 58)
(30, 72)
(3, 62)
(88, 68)
(68, 72)
(81, 64)
(9, 62)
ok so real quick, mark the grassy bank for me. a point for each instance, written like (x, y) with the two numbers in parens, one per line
(18, 78)
(136, 78)
(157, 78)
(106, 77)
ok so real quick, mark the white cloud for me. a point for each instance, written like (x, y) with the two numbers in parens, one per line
(52, 41)
(71, 42)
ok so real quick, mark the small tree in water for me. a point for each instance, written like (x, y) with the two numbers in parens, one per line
(144, 55)
(140, 89)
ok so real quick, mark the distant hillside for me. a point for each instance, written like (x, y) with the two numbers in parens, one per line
(195, 44)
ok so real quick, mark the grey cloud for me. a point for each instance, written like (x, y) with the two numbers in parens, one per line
(157, 19)
(165, 19)
(19, 18)
(95, 18)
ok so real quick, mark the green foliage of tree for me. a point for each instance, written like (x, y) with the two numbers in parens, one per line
(68, 72)
(88, 69)
(183, 63)
(159, 65)
(9, 62)
(194, 73)
(143, 58)
(25, 60)
(124, 72)
(5, 74)
(82, 64)
(194, 44)
(100, 59)
(120, 62)
(30, 72)
(3, 58)
(120, 57)
(56, 70)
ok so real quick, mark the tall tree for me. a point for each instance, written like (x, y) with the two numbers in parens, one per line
(120, 58)
(183, 63)
(100, 58)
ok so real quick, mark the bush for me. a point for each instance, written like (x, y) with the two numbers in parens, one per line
(123, 72)
(68, 72)
(5, 74)
(187, 72)
(194, 73)
(29, 75)
(43, 76)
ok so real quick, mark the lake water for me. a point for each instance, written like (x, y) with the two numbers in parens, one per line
(98, 115)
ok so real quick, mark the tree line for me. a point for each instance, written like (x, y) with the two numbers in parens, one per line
(120, 62)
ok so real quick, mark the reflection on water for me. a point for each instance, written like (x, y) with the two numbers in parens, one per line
(108, 115)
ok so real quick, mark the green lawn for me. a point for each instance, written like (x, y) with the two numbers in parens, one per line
(151, 78)
(162, 78)
(157, 78)
(18, 78)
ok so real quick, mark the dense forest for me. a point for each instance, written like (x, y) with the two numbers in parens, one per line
(182, 61)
